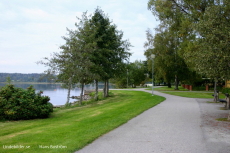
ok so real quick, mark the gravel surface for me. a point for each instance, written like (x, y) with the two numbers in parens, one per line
(216, 133)
(177, 125)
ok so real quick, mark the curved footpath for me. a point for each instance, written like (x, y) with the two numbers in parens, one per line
(177, 125)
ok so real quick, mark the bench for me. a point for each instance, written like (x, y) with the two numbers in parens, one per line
(221, 100)
(225, 101)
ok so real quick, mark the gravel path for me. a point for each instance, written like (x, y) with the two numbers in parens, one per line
(216, 133)
(177, 125)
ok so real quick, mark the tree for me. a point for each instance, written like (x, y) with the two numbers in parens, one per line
(198, 44)
(168, 64)
(164, 60)
(81, 44)
(170, 25)
(195, 16)
(95, 50)
(135, 74)
(111, 50)
(72, 65)
(137, 71)
(212, 45)
(204, 31)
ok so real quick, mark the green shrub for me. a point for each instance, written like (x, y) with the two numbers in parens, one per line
(225, 90)
(198, 88)
(21, 104)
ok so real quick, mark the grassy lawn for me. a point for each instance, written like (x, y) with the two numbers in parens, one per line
(185, 93)
(68, 130)
(165, 88)
(190, 94)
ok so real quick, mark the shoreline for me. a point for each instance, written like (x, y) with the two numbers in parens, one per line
(33, 82)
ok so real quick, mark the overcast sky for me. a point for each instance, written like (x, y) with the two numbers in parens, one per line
(32, 29)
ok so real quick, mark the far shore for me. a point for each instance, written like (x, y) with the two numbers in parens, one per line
(14, 82)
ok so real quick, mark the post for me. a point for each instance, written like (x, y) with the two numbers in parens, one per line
(152, 56)
(152, 77)
(206, 87)
(190, 87)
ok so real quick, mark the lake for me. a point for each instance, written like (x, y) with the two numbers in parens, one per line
(57, 94)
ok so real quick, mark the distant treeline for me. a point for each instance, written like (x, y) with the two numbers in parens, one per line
(32, 77)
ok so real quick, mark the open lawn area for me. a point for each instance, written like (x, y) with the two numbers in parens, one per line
(68, 130)
(191, 94)
(165, 88)
(186, 93)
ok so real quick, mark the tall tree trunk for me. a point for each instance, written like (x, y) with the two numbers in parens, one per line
(68, 94)
(215, 90)
(104, 89)
(227, 105)
(176, 83)
(96, 90)
(81, 95)
(169, 85)
(107, 88)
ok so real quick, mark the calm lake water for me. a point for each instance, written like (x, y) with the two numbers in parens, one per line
(57, 94)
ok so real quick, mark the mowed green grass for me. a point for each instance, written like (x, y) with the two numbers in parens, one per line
(182, 92)
(165, 88)
(68, 130)
(190, 94)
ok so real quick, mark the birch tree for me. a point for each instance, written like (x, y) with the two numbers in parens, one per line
(72, 64)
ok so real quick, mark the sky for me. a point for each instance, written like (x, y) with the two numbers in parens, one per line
(32, 29)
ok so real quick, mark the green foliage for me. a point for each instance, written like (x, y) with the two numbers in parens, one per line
(72, 63)
(225, 90)
(121, 82)
(20, 104)
(212, 46)
(137, 71)
(202, 32)
(199, 88)
(134, 75)
(167, 62)
(94, 51)
(112, 52)
(92, 95)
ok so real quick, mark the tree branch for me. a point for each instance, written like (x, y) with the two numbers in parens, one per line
(181, 8)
